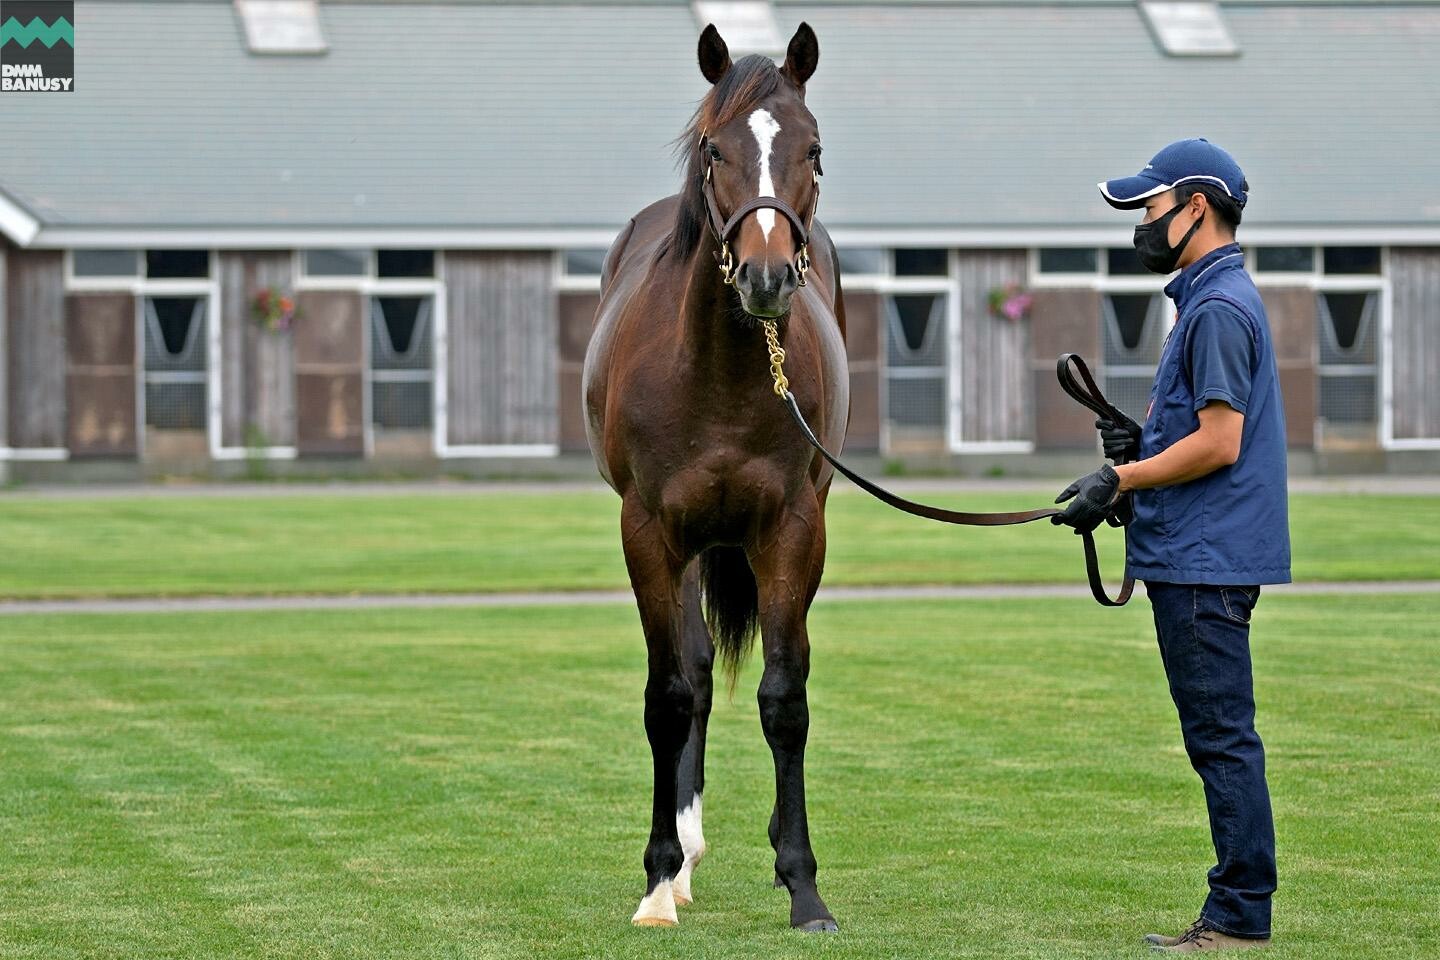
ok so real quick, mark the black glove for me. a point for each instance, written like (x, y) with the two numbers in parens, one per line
(1121, 440)
(1095, 496)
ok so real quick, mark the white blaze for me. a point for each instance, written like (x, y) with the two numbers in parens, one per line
(764, 127)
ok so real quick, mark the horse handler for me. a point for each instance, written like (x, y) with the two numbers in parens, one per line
(1207, 485)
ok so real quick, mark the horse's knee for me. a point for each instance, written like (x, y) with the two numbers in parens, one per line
(669, 706)
(784, 713)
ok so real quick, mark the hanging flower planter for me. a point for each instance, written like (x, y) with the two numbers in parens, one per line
(273, 310)
(1010, 302)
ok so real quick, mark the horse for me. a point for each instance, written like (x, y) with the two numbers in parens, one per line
(722, 518)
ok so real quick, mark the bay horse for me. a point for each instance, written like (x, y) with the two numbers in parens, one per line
(722, 516)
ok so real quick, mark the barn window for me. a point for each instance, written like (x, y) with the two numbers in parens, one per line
(105, 263)
(861, 260)
(1352, 260)
(922, 262)
(1124, 262)
(1133, 328)
(405, 264)
(1189, 28)
(915, 359)
(1069, 260)
(584, 262)
(1347, 335)
(336, 263)
(177, 264)
(1285, 259)
(175, 352)
(401, 368)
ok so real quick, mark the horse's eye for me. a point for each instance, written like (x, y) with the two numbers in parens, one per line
(714, 154)
(815, 152)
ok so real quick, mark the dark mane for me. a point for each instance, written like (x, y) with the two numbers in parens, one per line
(747, 84)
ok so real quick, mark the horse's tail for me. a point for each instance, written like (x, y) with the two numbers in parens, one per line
(732, 607)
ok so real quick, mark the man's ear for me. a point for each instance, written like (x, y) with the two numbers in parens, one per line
(801, 56)
(714, 55)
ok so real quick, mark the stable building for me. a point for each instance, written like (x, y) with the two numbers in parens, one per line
(366, 234)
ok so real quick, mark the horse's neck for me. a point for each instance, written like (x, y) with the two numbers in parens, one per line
(717, 343)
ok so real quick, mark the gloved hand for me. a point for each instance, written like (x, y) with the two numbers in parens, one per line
(1121, 440)
(1095, 496)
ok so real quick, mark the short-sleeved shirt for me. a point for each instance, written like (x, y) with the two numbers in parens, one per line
(1230, 526)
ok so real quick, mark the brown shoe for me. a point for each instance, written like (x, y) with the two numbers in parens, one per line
(1200, 937)
(1160, 940)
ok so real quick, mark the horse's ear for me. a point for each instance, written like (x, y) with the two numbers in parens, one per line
(714, 55)
(802, 56)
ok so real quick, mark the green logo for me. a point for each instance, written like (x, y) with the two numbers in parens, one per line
(13, 31)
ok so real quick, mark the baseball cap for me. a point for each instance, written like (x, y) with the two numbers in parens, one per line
(1183, 161)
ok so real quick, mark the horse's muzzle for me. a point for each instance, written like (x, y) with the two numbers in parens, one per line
(766, 287)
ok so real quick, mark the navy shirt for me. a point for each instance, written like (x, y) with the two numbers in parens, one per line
(1231, 526)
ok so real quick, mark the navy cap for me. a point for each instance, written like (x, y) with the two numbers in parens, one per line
(1184, 161)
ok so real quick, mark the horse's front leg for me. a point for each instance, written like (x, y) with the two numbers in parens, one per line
(787, 573)
(669, 701)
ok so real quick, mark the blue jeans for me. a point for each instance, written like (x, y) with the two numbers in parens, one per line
(1204, 634)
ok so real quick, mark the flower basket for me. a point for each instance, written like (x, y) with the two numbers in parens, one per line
(1010, 302)
(273, 310)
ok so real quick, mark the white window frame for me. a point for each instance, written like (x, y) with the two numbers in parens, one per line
(368, 285)
(140, 287)
(1317, 281)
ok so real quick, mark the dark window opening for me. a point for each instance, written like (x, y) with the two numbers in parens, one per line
(1131, 311)
(862, 260)
(1351, 260)
(922, 263)
(104, 263)
(176, 316)
(335, 263)
(1068, 260)
(1124, 262)
(177, 264)
(405, 263)
(1285, 259)
(914, 311)
(585, 262)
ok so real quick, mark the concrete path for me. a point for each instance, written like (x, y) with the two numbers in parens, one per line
(596, 597)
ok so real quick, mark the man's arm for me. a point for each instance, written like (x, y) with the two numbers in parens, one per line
(1214, 445)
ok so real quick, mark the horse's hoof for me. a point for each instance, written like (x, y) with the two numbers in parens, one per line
(654, 922)
(823, 925)
(681, 900)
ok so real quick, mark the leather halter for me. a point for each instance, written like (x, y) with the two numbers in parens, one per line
(724, 230)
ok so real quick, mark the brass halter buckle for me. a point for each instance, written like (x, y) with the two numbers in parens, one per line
(727, 264)
(802, 262)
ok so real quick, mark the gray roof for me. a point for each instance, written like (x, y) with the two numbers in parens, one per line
(470, 115)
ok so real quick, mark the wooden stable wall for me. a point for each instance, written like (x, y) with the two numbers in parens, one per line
(996, 399)
(329, 345)
(35, 343)
(100, 375)
(1415, 326)
(1291, 312)
(503, 372)
(257, 397)
(1063, 321)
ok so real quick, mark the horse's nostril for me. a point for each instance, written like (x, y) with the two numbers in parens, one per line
(741, 274)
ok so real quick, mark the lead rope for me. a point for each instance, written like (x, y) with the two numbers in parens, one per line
(1092, 559)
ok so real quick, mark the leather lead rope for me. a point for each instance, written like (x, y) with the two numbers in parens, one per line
(1088, 394)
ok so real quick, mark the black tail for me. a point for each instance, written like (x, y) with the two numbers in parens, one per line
(732, 608)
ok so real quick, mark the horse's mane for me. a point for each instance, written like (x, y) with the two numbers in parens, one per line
(747, 84)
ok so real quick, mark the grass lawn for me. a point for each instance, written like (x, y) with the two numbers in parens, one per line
(987, 779)
(505, 541)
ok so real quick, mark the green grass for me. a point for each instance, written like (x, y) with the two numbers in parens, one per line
(506, 541)
(987, 779)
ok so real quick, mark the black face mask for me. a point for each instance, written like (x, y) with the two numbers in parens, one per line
(1153, 245)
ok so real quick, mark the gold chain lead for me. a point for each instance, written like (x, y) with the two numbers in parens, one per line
(777, 358)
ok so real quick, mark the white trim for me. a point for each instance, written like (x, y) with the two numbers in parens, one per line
(16, 222)
(1139, 196)
(550, 238)
(34, 453)
(502, 450)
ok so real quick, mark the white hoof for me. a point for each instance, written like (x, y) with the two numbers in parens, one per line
(658, 908)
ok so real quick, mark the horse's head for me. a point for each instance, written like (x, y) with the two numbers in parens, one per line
(768, 149)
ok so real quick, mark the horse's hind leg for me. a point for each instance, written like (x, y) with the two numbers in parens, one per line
(787, 573)
(669, 701)
(699, 657)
